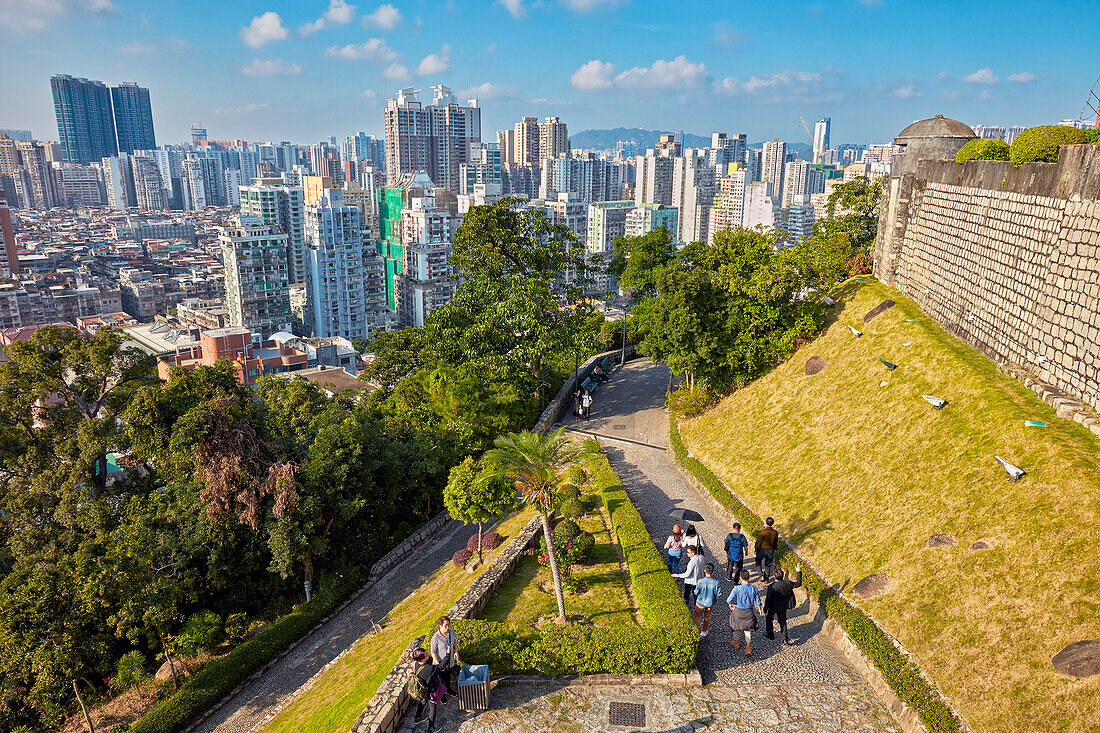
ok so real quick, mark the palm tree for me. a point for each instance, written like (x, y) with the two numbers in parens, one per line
(537, 464)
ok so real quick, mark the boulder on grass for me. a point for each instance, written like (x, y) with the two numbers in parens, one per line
(815, 365)
(1079, 660)
(878, 310)
(183, 669)
(872, 585)
(937, 541)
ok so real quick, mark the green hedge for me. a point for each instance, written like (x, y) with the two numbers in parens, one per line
(1040, 144)
(983, 149)
(668, 643)
(902, 675)
(219, 676)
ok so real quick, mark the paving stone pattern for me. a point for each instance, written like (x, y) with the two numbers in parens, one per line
(272, 690)
(804, 687)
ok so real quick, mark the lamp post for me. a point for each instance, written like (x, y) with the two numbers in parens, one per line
(624, 303)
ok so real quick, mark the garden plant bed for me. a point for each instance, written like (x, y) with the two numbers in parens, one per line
(859, 474)
(336, 697)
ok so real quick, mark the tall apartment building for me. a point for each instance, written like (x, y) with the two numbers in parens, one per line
(797, 218)
(198, 133)
(133, 117)
(202, 183)
(483, 168)
(9, 252)
(79, 185)
(9, 169)
(553, 138)
(729, 203)
(754, 163)
(282, 206)
(590, 177)
(434, 138)
(801, 179)
(526, 141)
(726, 150)
(85, 121)
(39, 182)
(648, 217)
(606, 223)
(148, 184)
(761, 207)
(336, 303)
(118, 180)
(653, 176)
(506, 142)
(520, 180)
(821, 138)
(693, 190)
(257, 289)
(989, 132)
(771, 169)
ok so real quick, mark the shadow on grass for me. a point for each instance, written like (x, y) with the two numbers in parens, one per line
(800, 529)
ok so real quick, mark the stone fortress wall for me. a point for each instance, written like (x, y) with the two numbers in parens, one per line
(1007, 259)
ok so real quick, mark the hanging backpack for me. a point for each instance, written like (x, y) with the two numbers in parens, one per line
(416, 688)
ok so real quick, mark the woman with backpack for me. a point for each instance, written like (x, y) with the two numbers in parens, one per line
(424, 687)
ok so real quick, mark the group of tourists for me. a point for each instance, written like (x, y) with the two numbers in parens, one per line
(431, 682)
(747, 602)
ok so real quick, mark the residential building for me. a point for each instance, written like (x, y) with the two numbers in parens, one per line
(257, 287)
(148, 185)
(589, 177)
(772, 166)
(989, 132)
(761, 207)
(801, 179)
(797, 219)
(729, 203)
(198, 133)
(250, 360)
(133, 117)
(283, 206)
(520, 180)
(483, 167)
(693, 190)
(526, 141)
(40, 187)
(553, 138)
(506, 142)
(434, 138)
(648, 217)
(85, 122)
(1012, 132)
(9, 251)
(118, 180)
(726, 150)
(606, 223)
(653, 174)
(79, 185)
(202, 183)
(428, 227)
(821, 138)
(336, 304)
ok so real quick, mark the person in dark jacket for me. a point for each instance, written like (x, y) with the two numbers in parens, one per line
(429, 676)
(766, 542)
(778, 600)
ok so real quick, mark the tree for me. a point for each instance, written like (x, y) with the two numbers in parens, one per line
(472, 500)
(538, 466)
(859, 196)
(637, 260)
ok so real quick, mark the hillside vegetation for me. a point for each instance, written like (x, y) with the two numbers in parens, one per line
(859, 474)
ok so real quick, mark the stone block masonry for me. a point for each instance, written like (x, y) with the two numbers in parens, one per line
(1006, 259)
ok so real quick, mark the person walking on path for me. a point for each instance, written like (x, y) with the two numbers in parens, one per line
(736, 544)
(744, 601)
(706, 593)
(424, 688)
(780, 599)
(694, 539)
(577, 409)
(766, 543)
(445, 653)
(692, 574)
(675, 547)
(586, 404)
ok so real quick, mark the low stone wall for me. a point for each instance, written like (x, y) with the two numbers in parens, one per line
(1066, 406)
(564, 397)
(392, 558)
(384, 711)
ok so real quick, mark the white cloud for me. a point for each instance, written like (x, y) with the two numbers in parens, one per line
(1022, 78)
(243, 109)
(907, 91)
(263, 29)
(271, 67)
(664, 75)
(338, 13)
(488, 90)
(725, 35)
(942, 75)
(585, 6)
(397, 72)
(986, 94)
(490, 48)
(791, 86)
(137, 48)
(435, 63)
(374, 50)
(385, 16)
(594, 75)
(35, 15)
(368, 94)
(981, 76)
(786, 79)
(515, 7)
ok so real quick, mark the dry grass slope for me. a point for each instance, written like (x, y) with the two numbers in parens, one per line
(862, 474)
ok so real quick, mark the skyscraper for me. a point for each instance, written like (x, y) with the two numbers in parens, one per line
(771, 170)
(434, 138)
(257, 293)
(39, 179)
(9, 257)
(198, 133)
(133, 117)
(85, 123)
(821, 137)
(506, 141)
(553, 138)
(526, 141)
(335, 297)
(283, 206)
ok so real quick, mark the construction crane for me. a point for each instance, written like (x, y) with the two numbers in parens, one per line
(807, 129)
(1092, 103)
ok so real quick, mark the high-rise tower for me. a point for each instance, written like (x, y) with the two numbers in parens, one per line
(133, 117)
(434, 138)
(85, 123)
(821, 137)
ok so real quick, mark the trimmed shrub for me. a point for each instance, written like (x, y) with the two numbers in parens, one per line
(571, 543)
(461, 557)
(982, 149)
(1040, 144)
(129, 671)
(489, 540)
(861, 264)
(202, 631)
(219, 676)
(569, 491)
(572, 508)
(902, 675)
(690, 402)
(668, 644)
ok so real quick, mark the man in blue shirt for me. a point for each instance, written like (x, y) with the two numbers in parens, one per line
(706, 593)
(736, 544)
(744, 600)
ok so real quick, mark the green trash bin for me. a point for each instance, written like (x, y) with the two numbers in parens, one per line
(473, 686)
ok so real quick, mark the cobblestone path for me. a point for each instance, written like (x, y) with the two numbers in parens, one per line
(253, 705)
(804, 688)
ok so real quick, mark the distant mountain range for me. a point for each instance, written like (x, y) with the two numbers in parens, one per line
(641, 139)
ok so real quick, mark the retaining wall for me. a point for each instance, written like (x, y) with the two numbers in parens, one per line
(1007, 259)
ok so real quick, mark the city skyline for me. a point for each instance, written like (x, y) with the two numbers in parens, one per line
(303, 72)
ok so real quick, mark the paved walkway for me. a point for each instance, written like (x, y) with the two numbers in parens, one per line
(257, 702)
(805, 687)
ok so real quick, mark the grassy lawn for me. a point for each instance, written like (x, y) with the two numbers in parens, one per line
(860, 474)
(338, 697)
(520, 601)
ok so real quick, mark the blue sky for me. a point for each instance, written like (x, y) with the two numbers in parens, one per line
(306, 70)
